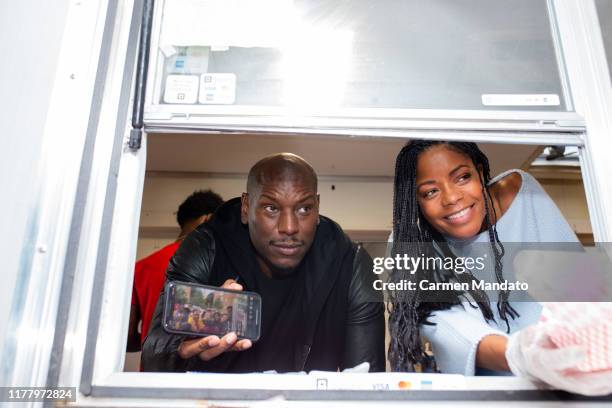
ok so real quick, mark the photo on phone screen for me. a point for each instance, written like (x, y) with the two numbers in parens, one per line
(201, 310)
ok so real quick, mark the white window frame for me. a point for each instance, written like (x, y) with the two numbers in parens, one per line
(588, 73)
(95, 329)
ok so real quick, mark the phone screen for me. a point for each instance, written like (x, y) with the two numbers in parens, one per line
(207, 310)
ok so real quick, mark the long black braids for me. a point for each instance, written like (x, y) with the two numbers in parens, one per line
(504, 309)
(414, 236)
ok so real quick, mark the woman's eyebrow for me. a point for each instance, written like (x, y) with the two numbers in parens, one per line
(450, 174)
(425, 182)
(458, 168)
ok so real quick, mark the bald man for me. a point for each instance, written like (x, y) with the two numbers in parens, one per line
(317, 311)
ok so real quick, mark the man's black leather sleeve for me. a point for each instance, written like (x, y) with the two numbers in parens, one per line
(365, 331)
(192, 262)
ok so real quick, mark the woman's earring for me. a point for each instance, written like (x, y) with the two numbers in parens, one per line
(419, 224)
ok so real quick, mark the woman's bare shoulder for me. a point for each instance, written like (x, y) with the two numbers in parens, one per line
(505, 189)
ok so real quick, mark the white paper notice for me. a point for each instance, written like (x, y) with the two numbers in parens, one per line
(181, 89)
(521, 100)
(218, 89)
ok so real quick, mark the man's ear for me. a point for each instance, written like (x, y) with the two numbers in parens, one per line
(244, 208)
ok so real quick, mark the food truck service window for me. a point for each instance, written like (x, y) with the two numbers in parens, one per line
(345, 85)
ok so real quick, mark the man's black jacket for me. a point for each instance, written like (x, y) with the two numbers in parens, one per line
(332, 319)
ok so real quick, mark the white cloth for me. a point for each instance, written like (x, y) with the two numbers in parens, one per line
(570, 348)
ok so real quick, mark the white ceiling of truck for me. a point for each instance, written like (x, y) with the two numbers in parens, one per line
(329, 155)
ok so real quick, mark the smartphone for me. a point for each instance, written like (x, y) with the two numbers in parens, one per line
(200, 310)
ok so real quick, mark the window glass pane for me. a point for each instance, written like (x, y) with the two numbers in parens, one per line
(439, 54)
(604, 11)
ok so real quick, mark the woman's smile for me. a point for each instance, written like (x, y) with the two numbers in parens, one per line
(462, 216)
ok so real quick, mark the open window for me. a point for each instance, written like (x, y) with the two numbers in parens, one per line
(345, 92)
(178, 164)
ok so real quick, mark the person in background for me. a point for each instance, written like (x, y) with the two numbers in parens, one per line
(150, 272)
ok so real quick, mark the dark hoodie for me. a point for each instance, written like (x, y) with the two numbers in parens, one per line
(319, 318)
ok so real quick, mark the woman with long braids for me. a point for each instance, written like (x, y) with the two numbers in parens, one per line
(445, 199)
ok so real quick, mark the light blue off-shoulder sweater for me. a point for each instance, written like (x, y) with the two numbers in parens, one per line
(531, 217)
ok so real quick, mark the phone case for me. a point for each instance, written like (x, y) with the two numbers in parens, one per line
(207, 314)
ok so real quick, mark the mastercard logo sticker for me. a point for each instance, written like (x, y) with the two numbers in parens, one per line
(404, 385)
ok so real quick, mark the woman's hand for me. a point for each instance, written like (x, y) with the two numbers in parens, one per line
(491, 353)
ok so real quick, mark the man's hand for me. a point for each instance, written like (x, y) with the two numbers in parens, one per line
(210, 347)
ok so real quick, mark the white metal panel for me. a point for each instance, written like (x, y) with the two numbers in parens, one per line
(604, 13)
(48, 113)
(26, 92)
(547, 128)
(104, 174)
(592, 91)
